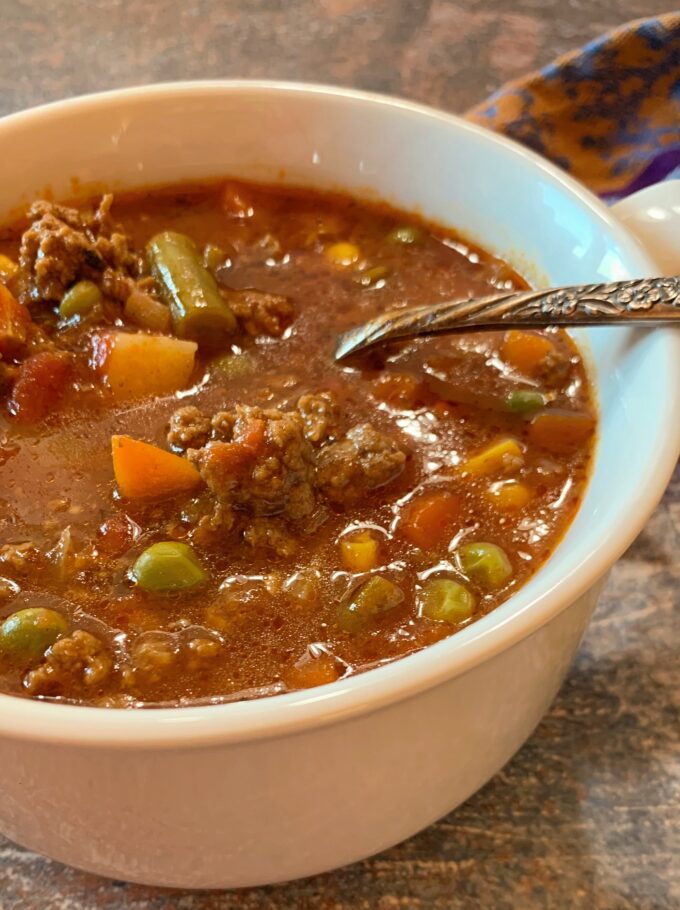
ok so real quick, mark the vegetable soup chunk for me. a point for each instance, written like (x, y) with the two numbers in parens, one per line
(200, 505)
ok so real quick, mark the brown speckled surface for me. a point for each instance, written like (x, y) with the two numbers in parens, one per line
(587, 815)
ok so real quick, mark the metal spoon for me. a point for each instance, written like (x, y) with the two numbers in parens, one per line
(642, 302)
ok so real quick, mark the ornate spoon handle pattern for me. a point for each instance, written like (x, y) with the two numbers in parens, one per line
(641, 302)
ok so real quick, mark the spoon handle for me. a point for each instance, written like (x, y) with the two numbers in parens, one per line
(641, 302)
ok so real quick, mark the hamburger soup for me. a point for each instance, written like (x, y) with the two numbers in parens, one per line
(197, 504)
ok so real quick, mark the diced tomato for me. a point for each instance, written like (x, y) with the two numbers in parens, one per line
(117, 534)
(14, 323)
(430, 518)
(251, 435)
(224, 460)
(39, 387)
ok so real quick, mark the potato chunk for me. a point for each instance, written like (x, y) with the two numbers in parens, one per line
(136, 365)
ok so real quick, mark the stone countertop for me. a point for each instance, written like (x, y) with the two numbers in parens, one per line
(587, 815)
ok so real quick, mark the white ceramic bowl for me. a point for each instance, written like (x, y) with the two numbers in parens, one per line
(264, 791)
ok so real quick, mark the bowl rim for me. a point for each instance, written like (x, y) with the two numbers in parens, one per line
(192, 726)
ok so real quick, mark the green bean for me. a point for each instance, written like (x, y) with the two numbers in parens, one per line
(525, 401)
(79, 299)
(197, 308)
(445, 600)
(28, 633)
(167, 567)
(361, 608)
(486, 564)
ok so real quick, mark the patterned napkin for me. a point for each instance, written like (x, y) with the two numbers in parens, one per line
(609, 113)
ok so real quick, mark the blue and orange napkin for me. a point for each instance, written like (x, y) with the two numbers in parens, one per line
(609, 113)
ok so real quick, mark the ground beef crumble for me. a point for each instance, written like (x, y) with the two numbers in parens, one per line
(155, 653)
(362, 460)
(272, 534)
(320, 415)
(271, 471)
(189, 429)
(62, 246)
(79, 661)
(152, 656)
(258, 312)
(273, 477)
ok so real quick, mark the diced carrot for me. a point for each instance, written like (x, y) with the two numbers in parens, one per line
(359, 551)
(39, 386)
(429, 519)
(135, 365)
(399, 389)
(502, 457)
(14, 323)
(144, 471)
(526, 351)
(311, 672)
(561, 432)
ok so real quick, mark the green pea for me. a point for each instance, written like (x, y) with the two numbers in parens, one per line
(29, 633)
(168, 566)
(445, 600)
(525, 401)
(360, 609)
(370, 277)
(407, 234)
(485, 564)
(79, 299)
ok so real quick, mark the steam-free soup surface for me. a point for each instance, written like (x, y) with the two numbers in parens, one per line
(199, 504)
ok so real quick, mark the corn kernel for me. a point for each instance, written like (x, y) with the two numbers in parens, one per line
(510, 495)
(503, 457)
(343, 254)
(359, 552)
